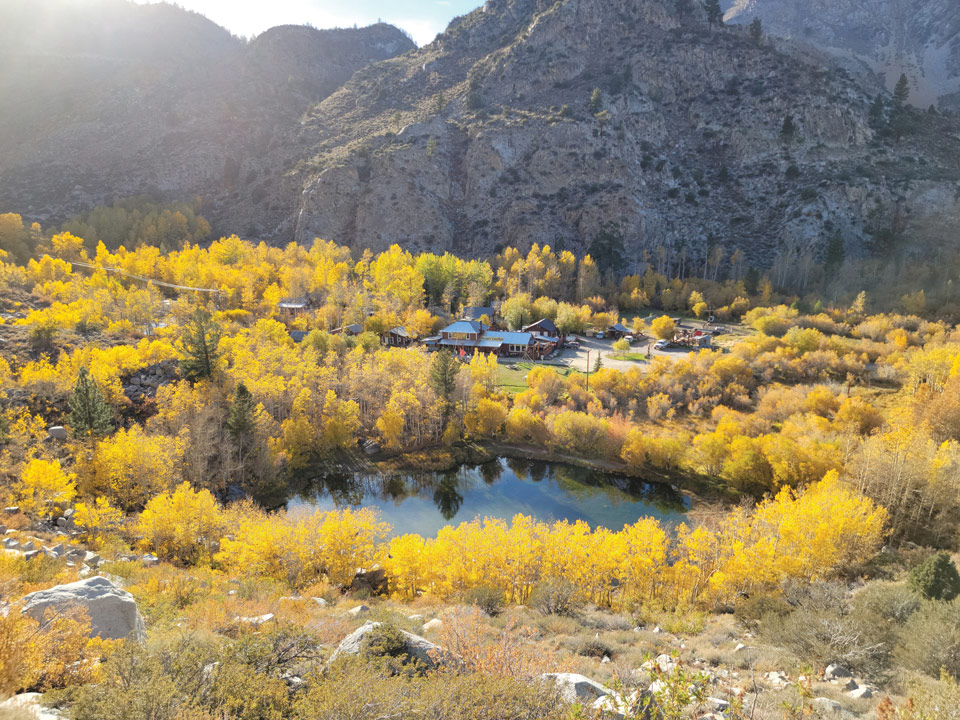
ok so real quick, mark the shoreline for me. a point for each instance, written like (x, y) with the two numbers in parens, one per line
(439, 458)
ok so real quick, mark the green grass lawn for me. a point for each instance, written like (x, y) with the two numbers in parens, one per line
(632, 357)
(512, 377)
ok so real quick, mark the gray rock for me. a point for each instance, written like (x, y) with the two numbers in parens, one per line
(718, 704)
(358, 610)
(861, 692)
(576, 688)
(11, 544)
(30, 554)
(418, 648)
(434, 624)
(91, 559)
(112, 611)
(57, 433)
(27, 705)
(320, 601)
(28, 546)
(256, 620)
(12, 509)
(150, 559)
(835, 672)
(826, 705)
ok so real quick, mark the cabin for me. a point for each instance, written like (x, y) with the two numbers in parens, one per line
(507, 344)
(298, 336)
(544, 328)
(348, 330)
(461, 335)
(617, 331)
(293, 307)
(396, 337)
(477, 313)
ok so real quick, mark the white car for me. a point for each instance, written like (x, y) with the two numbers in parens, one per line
(661, 345)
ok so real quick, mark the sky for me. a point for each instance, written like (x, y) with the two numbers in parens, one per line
(423, 19)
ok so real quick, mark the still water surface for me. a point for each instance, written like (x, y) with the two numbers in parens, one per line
(425, 502)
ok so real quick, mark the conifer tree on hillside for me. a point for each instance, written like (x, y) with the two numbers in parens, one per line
(241, 423)
(756, 30)
(901, 93)
(90, 415)
(201, 342)
(443, 379)
(714, 12)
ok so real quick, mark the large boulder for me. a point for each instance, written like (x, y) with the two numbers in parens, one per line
(575, 688)
(416, 647)
(112, 611)
(27, 705)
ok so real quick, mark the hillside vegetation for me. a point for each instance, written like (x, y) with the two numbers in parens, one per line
(835, 428)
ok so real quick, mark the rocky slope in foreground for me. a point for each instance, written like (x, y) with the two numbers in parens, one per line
(918, 37)
(105, 99)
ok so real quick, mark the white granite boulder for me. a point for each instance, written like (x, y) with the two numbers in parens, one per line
(112, 611)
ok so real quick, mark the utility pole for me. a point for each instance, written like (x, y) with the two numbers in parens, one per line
(588, 371)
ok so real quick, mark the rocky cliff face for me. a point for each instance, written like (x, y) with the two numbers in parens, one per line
(488, 138)
(492, 135)
(106, 99)
(918, 37)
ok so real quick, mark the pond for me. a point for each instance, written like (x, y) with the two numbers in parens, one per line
(425, 502)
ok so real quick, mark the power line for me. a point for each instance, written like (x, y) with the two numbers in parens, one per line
(121, 271)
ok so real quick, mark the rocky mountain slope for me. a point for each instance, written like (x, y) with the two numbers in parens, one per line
(918, 37)
(577, 123)
(106, 98)
(489, 137)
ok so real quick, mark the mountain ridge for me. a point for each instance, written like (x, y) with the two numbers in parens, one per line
(691, 142)
(920, 39)
(157, 100)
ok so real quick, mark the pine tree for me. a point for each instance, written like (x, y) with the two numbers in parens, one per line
(936, 578)
(836, 254)
(598, 365)
(90, 414)
(901, 93)
(201, 341)
(714, 12)
(241, 423)
(443, 379)
(788, 130)
(756, 30)
(876, 111)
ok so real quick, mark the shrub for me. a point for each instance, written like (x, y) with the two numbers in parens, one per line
(592, 647)
(385, 641)
(930, 640)
(555, 598)
(489, 599)
(936, 578)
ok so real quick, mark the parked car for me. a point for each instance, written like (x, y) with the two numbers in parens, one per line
(630, 339)
(600, 336)
(661, 345)
(572, 345)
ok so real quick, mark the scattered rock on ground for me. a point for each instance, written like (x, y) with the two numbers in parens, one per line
(112, 611)
(835, 672)
(28, 703)
(576, 688)
(418, 648)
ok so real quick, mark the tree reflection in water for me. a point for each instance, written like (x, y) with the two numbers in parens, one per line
(447, 497)
(425, 502)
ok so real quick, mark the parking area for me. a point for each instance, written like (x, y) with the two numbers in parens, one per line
(586, 355)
